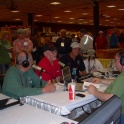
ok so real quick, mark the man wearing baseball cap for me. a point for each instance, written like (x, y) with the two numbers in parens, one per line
(50, 64)
(101, 41)
(74, 61)
(91, 63)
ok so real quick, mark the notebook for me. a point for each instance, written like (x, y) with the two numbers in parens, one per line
(67, 79)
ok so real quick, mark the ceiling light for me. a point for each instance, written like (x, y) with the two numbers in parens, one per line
(59, 21)
(107, 20)
(56, 17)
(38, 15)
(85, 13)
(120, 9)
(67, 11)
(55, 3)
(107, 16)
(85, 22)
(15, 11)
(71, 18)
(111, 6)
(81, 19)
(17, 19)
(35, 20)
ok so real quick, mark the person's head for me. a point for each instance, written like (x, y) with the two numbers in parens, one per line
(5, 35)
(27, 32)
(47, 38)
(73, 36)
(91, 53)
(74, 49)
(21, 33)
(83, 32)
(101, 33)
(50, 52)
(63, 33)
(24, 61)
(119, 60)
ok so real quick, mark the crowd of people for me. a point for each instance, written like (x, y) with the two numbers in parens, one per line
(43, 52)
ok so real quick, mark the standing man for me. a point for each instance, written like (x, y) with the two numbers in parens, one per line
(50, 64)
(63, 43)
(86, 41)
(114, 39)
(101, 41)
(115, 86)
(21, 80)
(74, 61)
(22, 43)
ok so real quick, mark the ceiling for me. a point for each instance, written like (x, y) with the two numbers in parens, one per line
(49, 12)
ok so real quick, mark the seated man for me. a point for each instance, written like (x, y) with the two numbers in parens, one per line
(20, 80)
(74, 61)
(115, 87)
(92, 64)
(50, 64)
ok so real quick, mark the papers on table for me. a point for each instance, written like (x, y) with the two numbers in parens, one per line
(86, 84)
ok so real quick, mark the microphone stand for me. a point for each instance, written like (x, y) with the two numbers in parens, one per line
(41, 77)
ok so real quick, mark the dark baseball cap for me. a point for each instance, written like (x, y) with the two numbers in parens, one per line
(49, 47)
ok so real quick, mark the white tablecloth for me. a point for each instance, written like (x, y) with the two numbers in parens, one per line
(58, 102)
(27, 114)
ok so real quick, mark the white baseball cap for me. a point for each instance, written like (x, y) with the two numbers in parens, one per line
(75, 45)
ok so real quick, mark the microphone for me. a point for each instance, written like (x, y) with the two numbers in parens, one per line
(61, 64)
(38, 68)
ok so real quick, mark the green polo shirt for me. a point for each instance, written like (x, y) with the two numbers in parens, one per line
(117, 88)
(20, 84)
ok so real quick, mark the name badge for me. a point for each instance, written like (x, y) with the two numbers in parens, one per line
(62, 44)
(25, 44)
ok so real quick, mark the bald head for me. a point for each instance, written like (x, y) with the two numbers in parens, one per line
(24, 58)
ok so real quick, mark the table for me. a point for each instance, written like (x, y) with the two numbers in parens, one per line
(105, 62)
(27, 114)
(106, 53)
(58, 102)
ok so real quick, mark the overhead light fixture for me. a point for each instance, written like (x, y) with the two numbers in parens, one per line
(81, 19)
(38, 15)
(120, 9)
(85, 13)
(56, 17)
(59, 21)
(15, 11)
(107, 20)
(71, 18)
(55, 3)
(35, 20)
(111, 6)
(17, 19)
(107, 16)
(85, 22)
(67, 11)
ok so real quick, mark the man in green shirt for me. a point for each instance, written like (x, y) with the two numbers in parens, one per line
(115, 86)
(21, 80)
